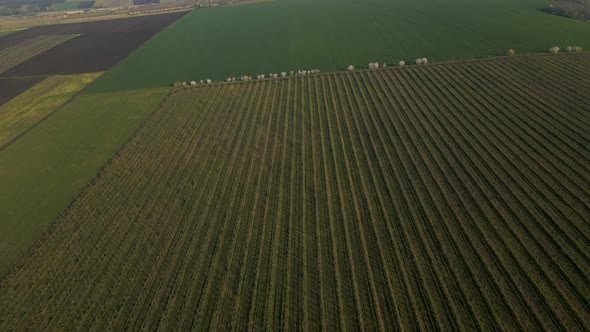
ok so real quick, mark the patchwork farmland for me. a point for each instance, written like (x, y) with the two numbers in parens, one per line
(97, 47)
(15, 54)
(447, 196)
(44, 170)
(37, 103)
(12, 87)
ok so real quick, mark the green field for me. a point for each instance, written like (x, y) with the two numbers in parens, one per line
(68, 5)
(44, 170)
(284, 35)
(38, 102)
(439, 197)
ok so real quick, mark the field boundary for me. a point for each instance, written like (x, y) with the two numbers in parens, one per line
(37, 243)
(85, 20)
(173, 91)
(388, 68)
(26, 131)
(442, 197)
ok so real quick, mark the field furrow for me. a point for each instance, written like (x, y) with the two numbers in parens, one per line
(449, 196)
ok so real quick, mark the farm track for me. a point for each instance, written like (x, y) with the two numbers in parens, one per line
(438, 197)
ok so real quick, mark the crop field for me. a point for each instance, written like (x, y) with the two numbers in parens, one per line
(46, 168)
(7, 32)
(332, 34)
(12, 87)
(86, 4)
(38, 102)
(450, 196)
(69, 5)
(19, 53)
(102, 44)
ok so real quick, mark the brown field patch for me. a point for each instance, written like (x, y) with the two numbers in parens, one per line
(102, 44)
(12, 87)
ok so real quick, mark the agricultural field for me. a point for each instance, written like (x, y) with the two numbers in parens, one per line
(284, 35)
(21, 52)
(7, 32)
(46, 168)
(37, 103)
(86, 4)
(12, 87)
(69, 5)
(102, 44)
(437, 197)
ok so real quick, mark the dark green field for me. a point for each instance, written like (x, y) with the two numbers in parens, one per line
(438, 197)
(284, 35)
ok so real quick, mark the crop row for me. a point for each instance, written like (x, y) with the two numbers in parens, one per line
(436, 197)
(18, 53)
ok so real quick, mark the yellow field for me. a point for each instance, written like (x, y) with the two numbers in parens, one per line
(22, 112)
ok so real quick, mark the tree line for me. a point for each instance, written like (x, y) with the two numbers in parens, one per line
(576, 9)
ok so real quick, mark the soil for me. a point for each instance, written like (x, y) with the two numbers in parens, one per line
(102, 44)
(12, 87)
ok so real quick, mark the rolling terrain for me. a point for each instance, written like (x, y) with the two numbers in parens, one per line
(447, 196)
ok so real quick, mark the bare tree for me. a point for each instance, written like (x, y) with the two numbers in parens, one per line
(350, 68)
(402, 63)
(193, 83)
(510, 52)
(554, 50)
(208, 81)
(419, 61)
(424, 61)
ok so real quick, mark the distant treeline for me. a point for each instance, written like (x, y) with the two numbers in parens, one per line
(577, 9)
(13, 9)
